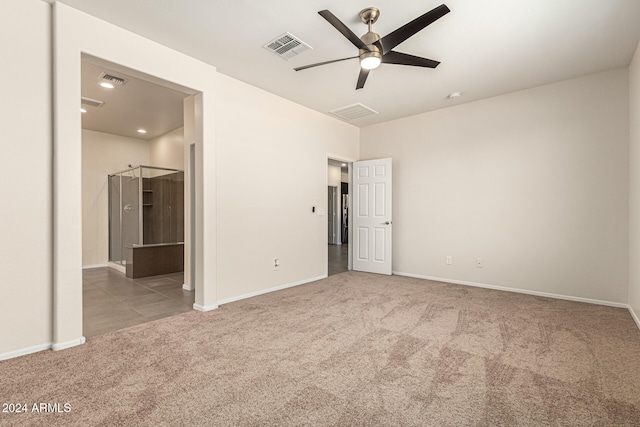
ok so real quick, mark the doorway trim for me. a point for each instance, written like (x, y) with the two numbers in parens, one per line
(75, 33)
(348, 161)
(190, 235)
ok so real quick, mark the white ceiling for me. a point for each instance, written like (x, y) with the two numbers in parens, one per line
(486, 47)
(339, 164)
(138, 104)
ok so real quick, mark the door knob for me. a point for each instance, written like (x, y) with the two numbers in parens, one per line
(387, 222)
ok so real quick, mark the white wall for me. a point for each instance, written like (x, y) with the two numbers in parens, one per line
(534, 182)
(271, 173)
(167, 151)
(634, 185)
(103, 154)
(25, 138)
(333, 179)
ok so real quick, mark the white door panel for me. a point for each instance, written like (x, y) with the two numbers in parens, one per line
(363, 244)
(372, 217)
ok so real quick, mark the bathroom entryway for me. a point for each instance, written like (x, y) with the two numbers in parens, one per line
(134, 199)
(111, 301)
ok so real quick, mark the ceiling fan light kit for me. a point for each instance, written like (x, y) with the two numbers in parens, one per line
(370, 60)
(374, 50)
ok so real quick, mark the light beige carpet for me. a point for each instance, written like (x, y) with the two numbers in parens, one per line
(354, 349)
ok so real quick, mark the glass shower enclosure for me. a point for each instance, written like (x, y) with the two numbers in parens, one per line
(146, 207)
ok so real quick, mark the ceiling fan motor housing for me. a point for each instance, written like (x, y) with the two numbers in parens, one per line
(372, 49)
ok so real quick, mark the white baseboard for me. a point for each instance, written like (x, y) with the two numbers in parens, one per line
(634, 316)
(25, 351)
(121, 268)
(42, 347)
(516, 290)
(204, 307)
(187, 287)
(266, 291)
(68, 344)
(87, 267)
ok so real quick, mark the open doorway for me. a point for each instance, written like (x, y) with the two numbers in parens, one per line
(337, 216)
(134, 157)
(74, 35)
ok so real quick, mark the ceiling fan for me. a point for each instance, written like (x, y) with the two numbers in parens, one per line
(375, 50)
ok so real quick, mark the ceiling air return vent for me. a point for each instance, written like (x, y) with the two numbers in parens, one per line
(287, 46)
(91, 102)
(114, 80)
(354, 111)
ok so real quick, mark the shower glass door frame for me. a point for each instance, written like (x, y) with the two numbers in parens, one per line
(124, 231)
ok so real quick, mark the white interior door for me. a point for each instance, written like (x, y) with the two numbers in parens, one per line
(372, 216)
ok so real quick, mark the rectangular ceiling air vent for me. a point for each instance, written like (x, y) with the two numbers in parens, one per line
(287, 46)
(354, 111)
(91, 102)
(114, 80)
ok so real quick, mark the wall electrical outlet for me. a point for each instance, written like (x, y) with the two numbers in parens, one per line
(479, 263)
(449, 260)
(276, 264)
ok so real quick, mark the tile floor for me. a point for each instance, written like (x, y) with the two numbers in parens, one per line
(111, 301)
(338, 257)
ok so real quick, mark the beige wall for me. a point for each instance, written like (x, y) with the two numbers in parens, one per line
(167, 151)
(634, 183)
(271, 173)
(333, 179)
(103, 154)
(533, 182)
(25, 217)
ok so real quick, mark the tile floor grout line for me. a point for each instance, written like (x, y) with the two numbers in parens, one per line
(100, 283)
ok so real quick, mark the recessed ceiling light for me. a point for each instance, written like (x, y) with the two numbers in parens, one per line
(344, 164)
(142, 131)
(454, 95)
(82, 110)
(107, 85)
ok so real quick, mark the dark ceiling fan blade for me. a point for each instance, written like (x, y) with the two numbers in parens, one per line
(304, 67)
(406, 59)
(333, 20)
(396, 37)
(362, 78)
